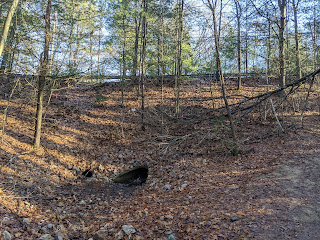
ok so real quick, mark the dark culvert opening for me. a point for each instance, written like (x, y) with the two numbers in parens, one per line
(133, 176)
(87, 173)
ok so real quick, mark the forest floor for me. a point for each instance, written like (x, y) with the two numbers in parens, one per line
(196, 188)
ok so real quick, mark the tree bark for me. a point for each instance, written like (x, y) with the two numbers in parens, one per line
(314, 38)
(179, 55)
(162, 49)
(91, 54)
(143, 60)
(246, 39)
(238, 14)
(212, 5)
(282, 5)
(268, 51)
(137, 21)
(71, 62)
(52, 43)
(124, 65)
(6, 25)
(296, 36)
(158, 56)
(44, 62)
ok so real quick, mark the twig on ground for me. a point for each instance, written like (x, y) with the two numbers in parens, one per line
(23, 153)
(275, 115)
(176, 140)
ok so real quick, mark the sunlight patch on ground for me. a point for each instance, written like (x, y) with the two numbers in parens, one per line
(70, 129)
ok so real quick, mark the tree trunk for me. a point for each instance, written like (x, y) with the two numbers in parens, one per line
(296, 36)
(246, 56)
(143, 60)
(76, 50)
(158, 56)
(313, 31)
(179, 56)
(212, 7)
(282, 5)
(42, 78)
(52, 43)
(137, 21)
(91, 54)
(71, 70)
(99, 50)
(238, 14)
(162, 49)
(124, 65)
(268, 51)
(6, 25)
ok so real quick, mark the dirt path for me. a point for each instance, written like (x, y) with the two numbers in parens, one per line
(301, 184)
(294, 193)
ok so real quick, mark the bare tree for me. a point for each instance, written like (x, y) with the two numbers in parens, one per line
(44, 66)
(212, 4)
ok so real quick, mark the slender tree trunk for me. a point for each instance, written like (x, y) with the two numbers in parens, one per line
(124, 65)
(179, 55)
(246, 60)
(71, 61)
(238, 14)
(137, 23)
(158, 56)
(296, 36)
(282, 5)
(99, 51)
(218, 36)
(4, 62)
(268, 43)
(52, 42)
(246, 56)
(10, 61)
(162, 49)
(136, 47)
(268, 50)
(6, 25)
(44, 62)
(212, 7)
(314, 38)
(91, 54)
(76, 50)
(143, 60)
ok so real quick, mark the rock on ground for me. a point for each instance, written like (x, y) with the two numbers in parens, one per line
(101, 235)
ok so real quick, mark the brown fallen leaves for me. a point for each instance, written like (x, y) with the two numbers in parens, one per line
(211, 194)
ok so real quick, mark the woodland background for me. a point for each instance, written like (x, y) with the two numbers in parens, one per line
(219, 100)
